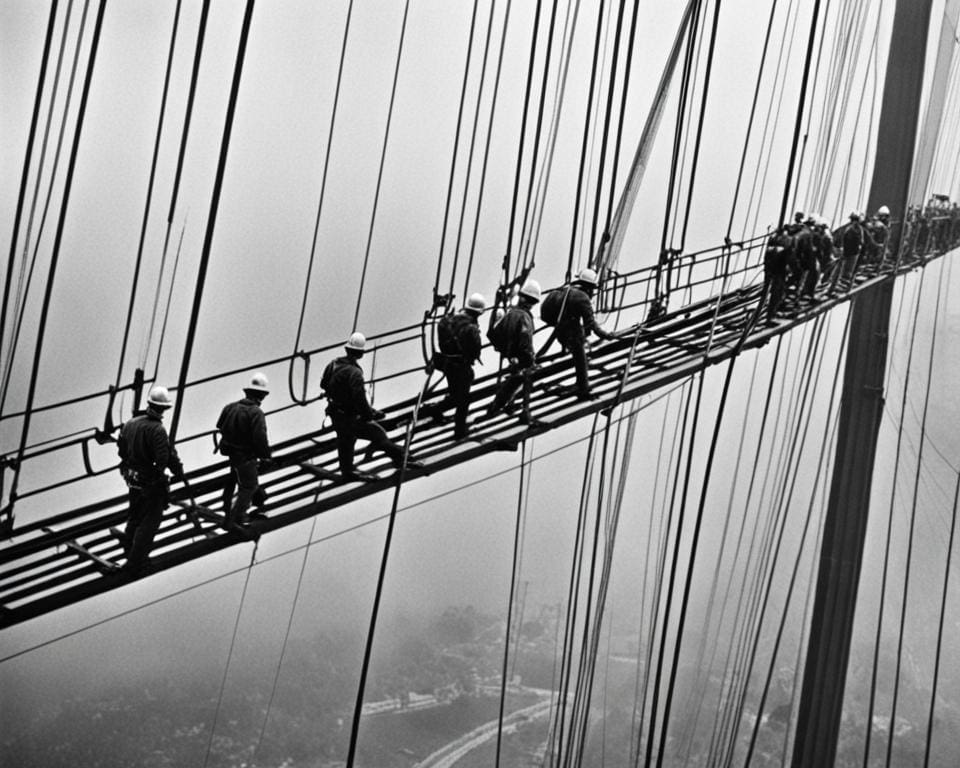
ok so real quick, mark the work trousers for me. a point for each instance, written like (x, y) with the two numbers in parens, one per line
(516, 378)
(146, 513)
(775, 289)
(574, 341)
(244, 478)
(459, 378)
(349, 429)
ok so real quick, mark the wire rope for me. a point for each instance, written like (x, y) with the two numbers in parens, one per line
(884, 571)
(226, 668)
(211, 217)
(25, 278)
(28, 157)
(149, 197)
(54, 259)
(913, 514)
(486, 149)
(510, 600)
(383, 159)
(323, 175)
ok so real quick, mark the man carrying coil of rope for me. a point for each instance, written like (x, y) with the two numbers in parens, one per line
(512, 336)
(351, 413)
(570, 310)
(243, 440)
(458, 336)
(145, 454)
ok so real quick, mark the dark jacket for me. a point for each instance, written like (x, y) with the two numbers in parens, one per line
(518, 331)
(778, 255)
(145, 448)
(243, 430)
(342, 383)
(463, 340)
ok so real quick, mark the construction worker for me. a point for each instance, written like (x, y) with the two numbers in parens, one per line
(878, 230)
(512, 337)
(776, 261)
(850, 239)
(458, 336)
(243, 440)
(146, 452)
(351, 413)
(570, 310)
(807, 246)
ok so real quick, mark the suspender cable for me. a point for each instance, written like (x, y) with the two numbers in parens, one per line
(456, 148)
(799, 122)
(25, 278)
(943, 613)
(473, 143)
(212, 216)
(531, 201)
(381, 579)
(226, 668)
(486, 150)
(194, 77)
(523, 138)
(871, 700)
(323, 176)
(700, 121)
(611, 89)
(583, 148)
(166, 309)
(25, 175)
(146, 208)
(383, 159)
(753, 111)
(913, 518)
(54, 258)
(513, 586)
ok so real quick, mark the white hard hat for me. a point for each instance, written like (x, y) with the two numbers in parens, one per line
(587, 276)
(159, 397)
(356, 342)
(258, 383)
(476, 302)
(531, 289)
(883, 211)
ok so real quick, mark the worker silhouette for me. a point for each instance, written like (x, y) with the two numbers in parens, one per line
(146, 453)
(351, 413)
(243, 440)
(458, 337)
(570, 310)
(512, 336)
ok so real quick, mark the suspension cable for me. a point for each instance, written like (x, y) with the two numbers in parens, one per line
(54, 259)
(211, 218)
(512, 593)
(146, 209)
(383, 159)
(323, 175)
(28, 156)
(233, 642)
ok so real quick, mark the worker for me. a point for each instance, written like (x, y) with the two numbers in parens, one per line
(146, 453)
(458, 336)
(807, 247)
(776, 260)
(512, 336)
(877, 230)
(850, 239)
(570, 310)
(351, 413)
(243, 440)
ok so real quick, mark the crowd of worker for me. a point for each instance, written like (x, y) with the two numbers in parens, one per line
(804, 262)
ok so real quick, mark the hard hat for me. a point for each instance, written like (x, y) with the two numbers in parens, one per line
(356, 342)
(587, 276)
(159, 397)
(854, 215)
(798, 216)
(883, 211)
(258, 383)
(531, 289)
(476, 302)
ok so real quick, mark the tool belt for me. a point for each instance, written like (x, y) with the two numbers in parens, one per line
(139, 479)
